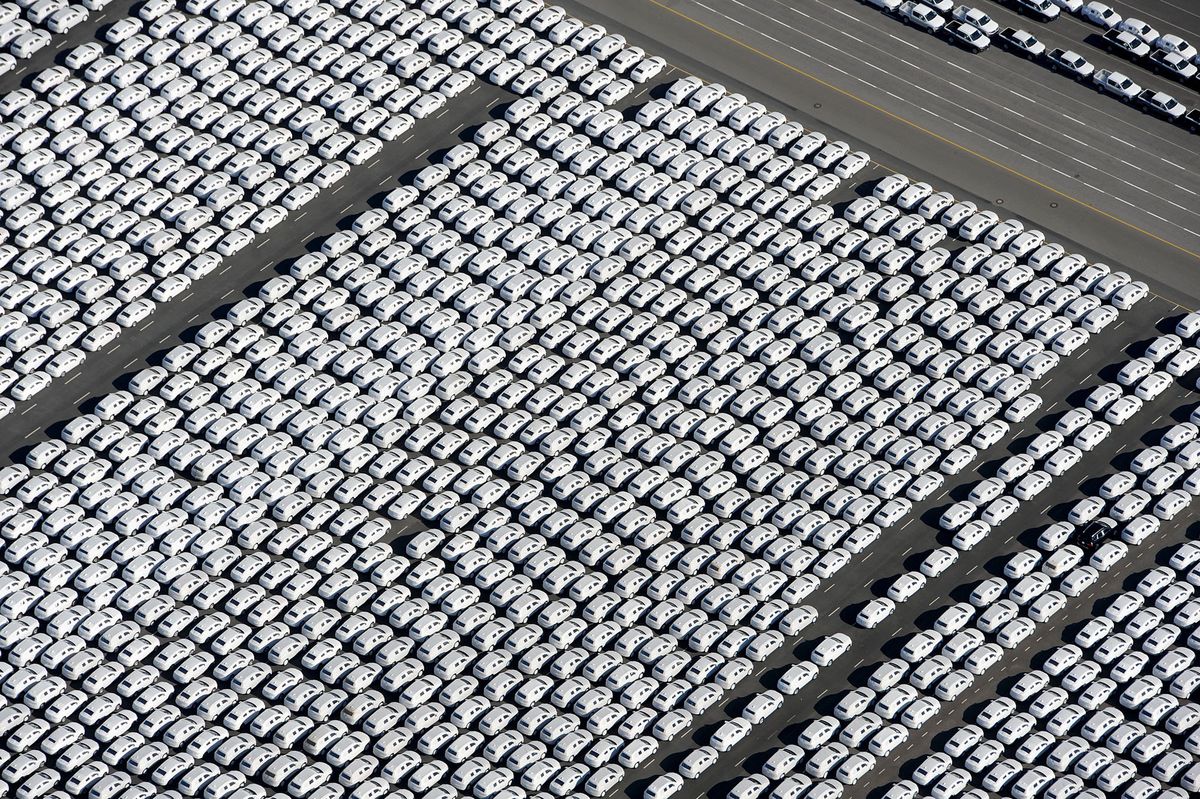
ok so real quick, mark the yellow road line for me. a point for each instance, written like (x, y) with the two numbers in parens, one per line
(923, 129)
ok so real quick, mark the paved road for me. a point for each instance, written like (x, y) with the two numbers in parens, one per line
(911, 113)
(135, 349)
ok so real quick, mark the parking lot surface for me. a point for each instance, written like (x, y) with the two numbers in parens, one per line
(496, 399)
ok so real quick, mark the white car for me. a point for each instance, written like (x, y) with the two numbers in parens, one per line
(697, 762)
(1175, 44)
(937, 561)
(874, 612)
(730, 734)
(976, 18)
(796, 677)
(851, 164)
(1140, 29)
(1117, 84)
(830, 649)
(1045, 10)
(1100, 14)
(922, 16)
(664, 786)
(890, 186)
(904, 587)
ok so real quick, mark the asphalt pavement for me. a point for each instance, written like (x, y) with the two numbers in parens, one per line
(267, 255)
(1102, 178)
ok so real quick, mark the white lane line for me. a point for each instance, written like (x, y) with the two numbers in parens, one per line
(986, 121)
(1038, 107)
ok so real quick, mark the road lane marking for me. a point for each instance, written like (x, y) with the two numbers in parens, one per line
(921, 128)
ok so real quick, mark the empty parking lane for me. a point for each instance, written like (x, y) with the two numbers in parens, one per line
(1095, 217)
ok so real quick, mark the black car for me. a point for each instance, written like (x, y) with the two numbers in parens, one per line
(1021, 42)
(1191, 120)
(1092, 535)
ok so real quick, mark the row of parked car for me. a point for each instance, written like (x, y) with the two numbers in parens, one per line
(133, 169)
(26, 27)
(967, 639)
(1107, 713)
(976, 31)
(1166, 54)
(1077, 431)
(1023, 476)
(393, 375)
(505, 150)
(1086, 697)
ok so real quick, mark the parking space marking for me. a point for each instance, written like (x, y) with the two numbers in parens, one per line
(921, 128)
(986, 121)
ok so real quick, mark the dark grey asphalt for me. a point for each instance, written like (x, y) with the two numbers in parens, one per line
(1100, 177)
